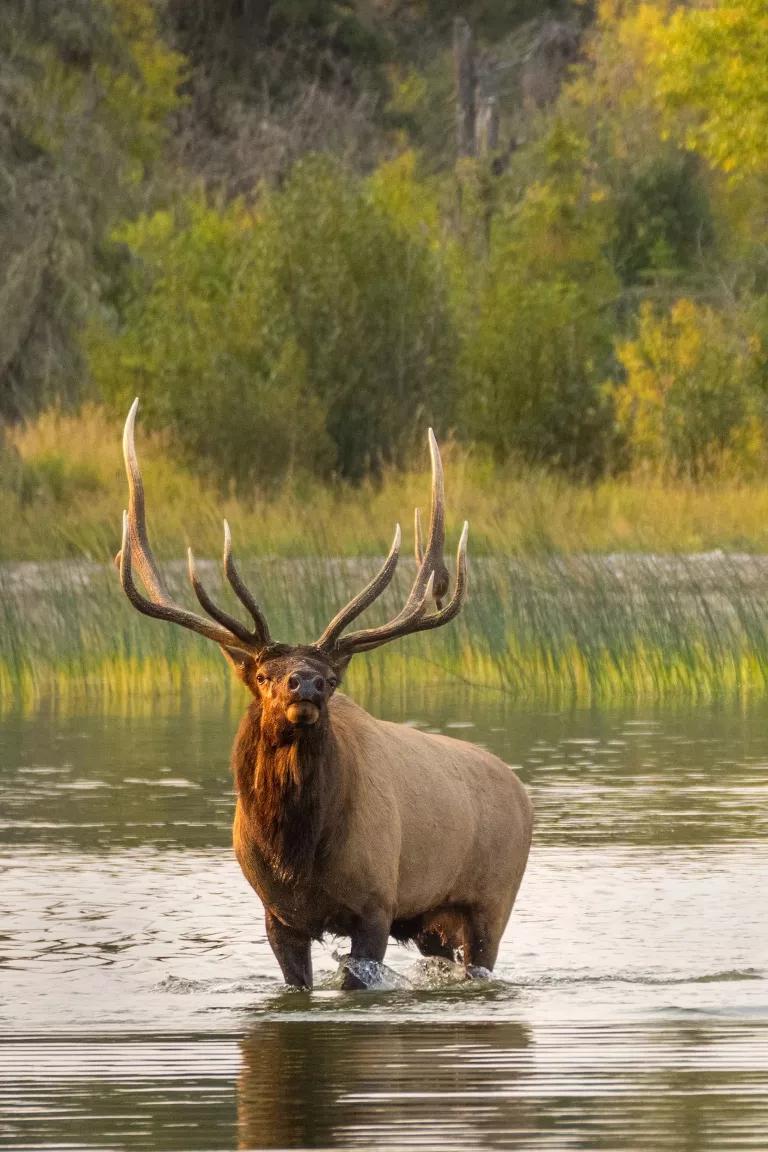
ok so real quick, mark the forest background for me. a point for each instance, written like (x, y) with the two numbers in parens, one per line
(267, 219)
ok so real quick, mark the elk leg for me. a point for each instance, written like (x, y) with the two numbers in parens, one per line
(369, 942)
(293, 952)
(431, 943)
(481, 942)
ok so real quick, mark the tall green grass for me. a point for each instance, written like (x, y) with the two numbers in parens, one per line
(548, 616)
(582, 629)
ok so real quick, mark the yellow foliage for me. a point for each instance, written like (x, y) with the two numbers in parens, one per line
(145, 93)
(689, 401)
(411, 204)
(709, 66)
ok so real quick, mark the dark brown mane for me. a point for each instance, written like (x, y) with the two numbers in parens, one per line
(290, 790)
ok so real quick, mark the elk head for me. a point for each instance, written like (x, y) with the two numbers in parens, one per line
(292, 683)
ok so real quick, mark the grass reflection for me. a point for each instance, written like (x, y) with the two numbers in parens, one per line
(158, 775)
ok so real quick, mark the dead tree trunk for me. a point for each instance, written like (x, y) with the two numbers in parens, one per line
(466, 82)
(488, 126)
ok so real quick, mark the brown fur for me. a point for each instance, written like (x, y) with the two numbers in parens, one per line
(360, 827)
(345, 823)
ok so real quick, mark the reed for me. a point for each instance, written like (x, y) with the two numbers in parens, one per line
(579, 629)
(549, 616)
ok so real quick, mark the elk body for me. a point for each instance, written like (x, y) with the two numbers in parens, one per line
(346, 824)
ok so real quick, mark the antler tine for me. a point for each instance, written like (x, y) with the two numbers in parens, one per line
(368, 638)
(219, 614)
(165, 609)
(416, 620)
(243, 593)
(431, 572)
(364, 599)
(456, 602)
(136, 548)
(148, 570)
(432, 580)
(431, 560)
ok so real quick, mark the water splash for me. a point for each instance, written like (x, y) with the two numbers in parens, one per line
(435, 974)
(373, 976)
(182, 986)
(429, 975)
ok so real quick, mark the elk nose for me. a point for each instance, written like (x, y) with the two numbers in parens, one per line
(305, 685)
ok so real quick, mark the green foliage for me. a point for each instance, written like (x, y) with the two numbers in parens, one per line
(241, 46)
(85, 92)
(663, 220)
(198, 340)
(315, 325)
(540, 340)
(307, 333)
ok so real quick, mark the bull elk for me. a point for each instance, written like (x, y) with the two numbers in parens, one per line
(346, 824)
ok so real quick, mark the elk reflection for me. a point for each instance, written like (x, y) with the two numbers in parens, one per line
(323, 1083)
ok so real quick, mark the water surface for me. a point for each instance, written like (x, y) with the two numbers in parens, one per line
(140, 1006)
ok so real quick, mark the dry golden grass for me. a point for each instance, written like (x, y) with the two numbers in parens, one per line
(63, 493)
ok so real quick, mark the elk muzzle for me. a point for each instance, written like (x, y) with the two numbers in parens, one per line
(306, 693)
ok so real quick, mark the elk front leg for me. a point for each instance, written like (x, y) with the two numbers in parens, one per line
(369, 942)
(293, 951)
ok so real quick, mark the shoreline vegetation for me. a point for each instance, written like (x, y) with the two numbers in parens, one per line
(263, 220)
(63, 487)
(567, 629)
(631, 588)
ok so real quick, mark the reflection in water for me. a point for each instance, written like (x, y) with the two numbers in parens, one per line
(140, 1006)
(692, 776)
(307, 1085)
(697, 1087)
(160, 1092)
(312, 1085)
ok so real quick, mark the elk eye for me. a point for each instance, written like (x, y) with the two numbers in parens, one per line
(332, 682)
(261, 678)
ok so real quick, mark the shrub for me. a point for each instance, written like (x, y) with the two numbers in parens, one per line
(309, 332)
(540, 341)
(690, 401)
(663, 219)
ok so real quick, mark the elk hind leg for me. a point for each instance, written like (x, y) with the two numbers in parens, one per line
(481, 941)
(369, 940)
(440, 936)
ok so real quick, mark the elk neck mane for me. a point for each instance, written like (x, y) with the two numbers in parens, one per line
(290, 791)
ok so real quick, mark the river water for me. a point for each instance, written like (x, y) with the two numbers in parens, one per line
(140, 1006)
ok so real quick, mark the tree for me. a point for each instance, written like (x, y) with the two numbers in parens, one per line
(85, 91)
(712, 81)
(308, 333)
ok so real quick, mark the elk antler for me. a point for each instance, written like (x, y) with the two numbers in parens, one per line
(432, 581)
(229, 632)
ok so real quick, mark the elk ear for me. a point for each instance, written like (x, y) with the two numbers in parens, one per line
(242, 663)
